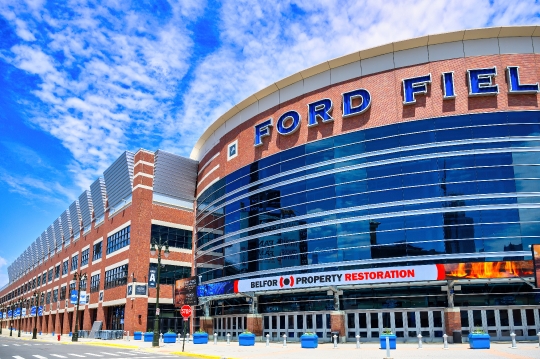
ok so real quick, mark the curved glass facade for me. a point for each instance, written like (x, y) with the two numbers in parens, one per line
(450, 189)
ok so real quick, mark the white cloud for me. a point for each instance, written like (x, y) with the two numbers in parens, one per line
(263, 42)
(3, 272)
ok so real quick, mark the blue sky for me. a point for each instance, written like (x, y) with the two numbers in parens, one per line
(84, 81)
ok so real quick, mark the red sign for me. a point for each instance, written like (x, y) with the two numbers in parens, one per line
(185, 311)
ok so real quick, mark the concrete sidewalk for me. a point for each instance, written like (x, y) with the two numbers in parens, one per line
(525, 350)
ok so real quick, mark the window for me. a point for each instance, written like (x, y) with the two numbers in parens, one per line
(170, 273)
(71, 287)
(118, 240)
(57, 272)
(116, 276)
(84, 257)
(175, 237)
(38, 280)
(65, 268)
(63, 293)
(74, 262)
(48, 298)
(55, 295)
(94, 283)
(44, 278)
(97, 251)
(49, 276)
(83, 284)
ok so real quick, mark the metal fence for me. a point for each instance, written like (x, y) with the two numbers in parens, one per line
(109, 334)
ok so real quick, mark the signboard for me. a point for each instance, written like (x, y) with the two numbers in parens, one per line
(33, 311)
(140, 289)
(185, 291)
(1, 315)
(17, 312)
(10, 314)
(431, 272)
(536, 261)
(152, 275)
(73, 297)
(130, 290)
(24, 312)
(82, 299)
(40, 311)
(101, 296)
(185, 311)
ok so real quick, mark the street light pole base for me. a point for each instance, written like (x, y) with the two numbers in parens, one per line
(34, 333)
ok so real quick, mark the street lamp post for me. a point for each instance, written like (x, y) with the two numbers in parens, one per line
(11, 306)
(36, 298)
(21, 302)
(79, 277)
(159, 244)
(3, 319)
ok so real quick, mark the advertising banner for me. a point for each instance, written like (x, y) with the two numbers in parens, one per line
(24, 312)
(73, 297)
(33, 311)
(185, 291)
(1, 315)
(82, 299)
(17, 313)
(430, 272)
(40, 311)
(10, 314)
(536, 260)
(152, 275)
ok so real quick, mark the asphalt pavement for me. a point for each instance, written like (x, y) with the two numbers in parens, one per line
(15, 348)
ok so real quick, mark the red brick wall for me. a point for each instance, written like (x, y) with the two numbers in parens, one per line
(386, 107)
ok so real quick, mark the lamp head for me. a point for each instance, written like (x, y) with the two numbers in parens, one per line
(153, 249)
(167, 251)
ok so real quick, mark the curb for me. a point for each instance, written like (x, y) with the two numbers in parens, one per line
(194, 355)
(114, 345)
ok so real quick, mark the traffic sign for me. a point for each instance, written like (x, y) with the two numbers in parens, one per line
(185, 311)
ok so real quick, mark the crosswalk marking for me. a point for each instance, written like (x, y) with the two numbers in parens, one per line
(58, 356)
(17, 345)
(39, 357)
(17, 357)
(94, 355)
(126, 353)
(114, 355)
(77, 355)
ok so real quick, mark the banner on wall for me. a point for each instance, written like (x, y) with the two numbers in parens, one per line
(185, 292)
(152, 276)
(431, 272)
(33, 311)
(536, 261)
(40, 311)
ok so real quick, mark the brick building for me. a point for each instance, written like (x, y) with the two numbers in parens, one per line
(394, 188)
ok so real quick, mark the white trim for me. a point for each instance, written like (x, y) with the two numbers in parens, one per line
(161, 300)
(143, 162)
(208, 174)
(208, 185)
(114, 302)
(121, 250)
(85, 248)
(95, 272)
(142, 174)
(98, 260)
(172, 225)
(120, 227)
(169, 261)
(117, 264)
(83, 267)
(97, 240)
(181, 250)
(143, 186)
(93, 305)
(73, 255)
(207, 163)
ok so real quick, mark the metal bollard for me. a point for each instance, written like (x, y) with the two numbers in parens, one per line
(538, 339)
(513, 335)
(161, 337)
(187, 335)
(358, 342)
(267, 340)
(228, 338)
(419, 341)
(335, 341)
(387, 346)
(284, 340)
(445, 338)
(215, 339)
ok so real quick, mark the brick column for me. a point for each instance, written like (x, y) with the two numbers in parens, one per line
(452, 322)
(337, 323)
(136, 315)
(207, 324)
(87, 325)
(255, 324)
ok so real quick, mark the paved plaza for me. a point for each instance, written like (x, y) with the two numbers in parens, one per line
(293, 350)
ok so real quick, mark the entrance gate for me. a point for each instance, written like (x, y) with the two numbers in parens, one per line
(500, 322)
(405, 323)
(228, 324)
(294, 324)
